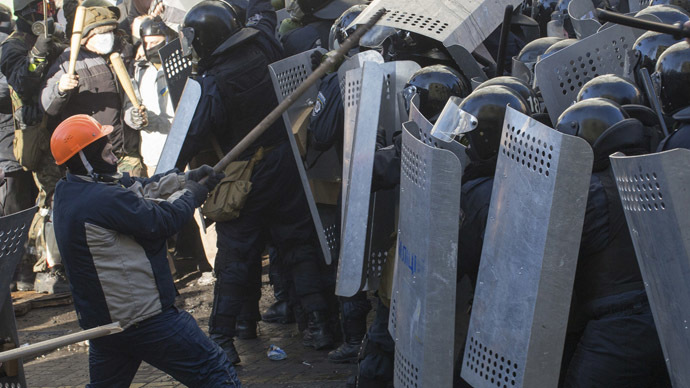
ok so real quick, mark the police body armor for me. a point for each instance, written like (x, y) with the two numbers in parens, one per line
(653, 190)
(528, 262)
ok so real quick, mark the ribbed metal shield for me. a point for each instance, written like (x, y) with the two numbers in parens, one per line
(357, 196)
(324, 167)
(560, 76)
(176, 69)
(424, 287)
(525, 280)
(14, 231)
(463, 23)
(654, 192)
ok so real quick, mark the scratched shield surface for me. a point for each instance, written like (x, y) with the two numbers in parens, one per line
(422, 308)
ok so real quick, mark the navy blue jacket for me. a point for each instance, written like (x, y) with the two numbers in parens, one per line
(112, 239)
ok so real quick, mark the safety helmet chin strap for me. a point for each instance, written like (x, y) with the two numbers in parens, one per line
(87, 165)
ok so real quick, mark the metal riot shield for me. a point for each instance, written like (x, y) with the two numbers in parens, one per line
(451, 22)
(176, 69)
(350, 276)
(524, 286)
(180, 125)
(365, 245)
(422, 307)
(14, 230)
(582, 15)
(560, 76)
(349, 78)
(467, 64)
(654, 193)
(320, 172)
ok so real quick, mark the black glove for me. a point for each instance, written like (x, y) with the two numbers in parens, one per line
(42, 47)
(198, 173)
(199, 191)
(316, 57)
(212, 180)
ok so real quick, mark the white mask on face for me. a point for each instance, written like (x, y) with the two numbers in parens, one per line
(102, 43)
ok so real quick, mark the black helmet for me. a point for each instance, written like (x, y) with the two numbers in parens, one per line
(556, 47)
(32, 10)
(612, 87)
(154, 26)
(523, 63)
(395, 45)
(588, 119)
(650, 46)
(488, 105)
(340, 30)
(6, 19)
(669, 14)
(435, 85)
(685, 4)
(326, 9)
(548, 10)
(521, 87)
(673, 71)
(207, 25)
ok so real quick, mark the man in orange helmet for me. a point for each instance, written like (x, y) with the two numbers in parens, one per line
(111, 231)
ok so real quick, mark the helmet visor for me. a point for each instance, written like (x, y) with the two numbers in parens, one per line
(186, 38)
(453, 121)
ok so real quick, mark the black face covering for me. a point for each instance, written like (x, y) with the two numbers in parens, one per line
(152, 53)
(93, 153)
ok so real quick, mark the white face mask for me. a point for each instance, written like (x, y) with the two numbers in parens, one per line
(102, 43)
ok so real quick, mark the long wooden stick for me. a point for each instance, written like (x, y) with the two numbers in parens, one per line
(320, 71)
(45, 346)
(75, 44)
(123, 76)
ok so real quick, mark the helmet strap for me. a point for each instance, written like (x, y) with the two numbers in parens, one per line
(87, 166)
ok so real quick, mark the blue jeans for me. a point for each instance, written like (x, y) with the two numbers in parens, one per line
(170, 341)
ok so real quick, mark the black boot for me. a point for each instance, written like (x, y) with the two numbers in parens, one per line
(319, 330)
(279, 312)
(228, 345)
(245, 329)
(347, 352)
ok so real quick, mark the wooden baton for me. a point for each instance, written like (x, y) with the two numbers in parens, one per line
(75, 44)
(123, 76)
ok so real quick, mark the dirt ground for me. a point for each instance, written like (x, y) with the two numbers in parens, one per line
(68, 366)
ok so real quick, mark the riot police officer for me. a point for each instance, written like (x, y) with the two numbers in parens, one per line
(237, 93)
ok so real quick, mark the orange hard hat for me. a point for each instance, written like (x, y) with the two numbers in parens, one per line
(74, 134)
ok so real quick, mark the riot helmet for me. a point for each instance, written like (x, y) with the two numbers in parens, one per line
(488, 106)
(341, 28)
(556, 47)
(33, 10)
(684, 4)
(521, 87)
(650, 45)
(154, 35)
(612, 87)
(523, 63)
(395, 45)
(326, 9)
(207, 25)
(6, 19)
(588, 119)
(669, 14)
(673, 77)
(435, 85)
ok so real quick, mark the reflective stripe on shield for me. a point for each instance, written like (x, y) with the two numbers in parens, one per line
(560, 76)
(525, 280)
(324, 171)
(463, 23)
(422, 311)
(654, 193)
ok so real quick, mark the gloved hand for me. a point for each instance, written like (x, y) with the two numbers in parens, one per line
(138, 118)
(198, 173)
(316, 58)
(212, 180)
(42, 46)
(199, 191)
(67, 82)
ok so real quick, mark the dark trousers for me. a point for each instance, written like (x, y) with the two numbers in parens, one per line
(276, 210)
(379, 348)
(19, 193)
(619, 346)
(172, 342)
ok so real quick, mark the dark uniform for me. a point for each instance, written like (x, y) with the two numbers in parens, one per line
(237, 94)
